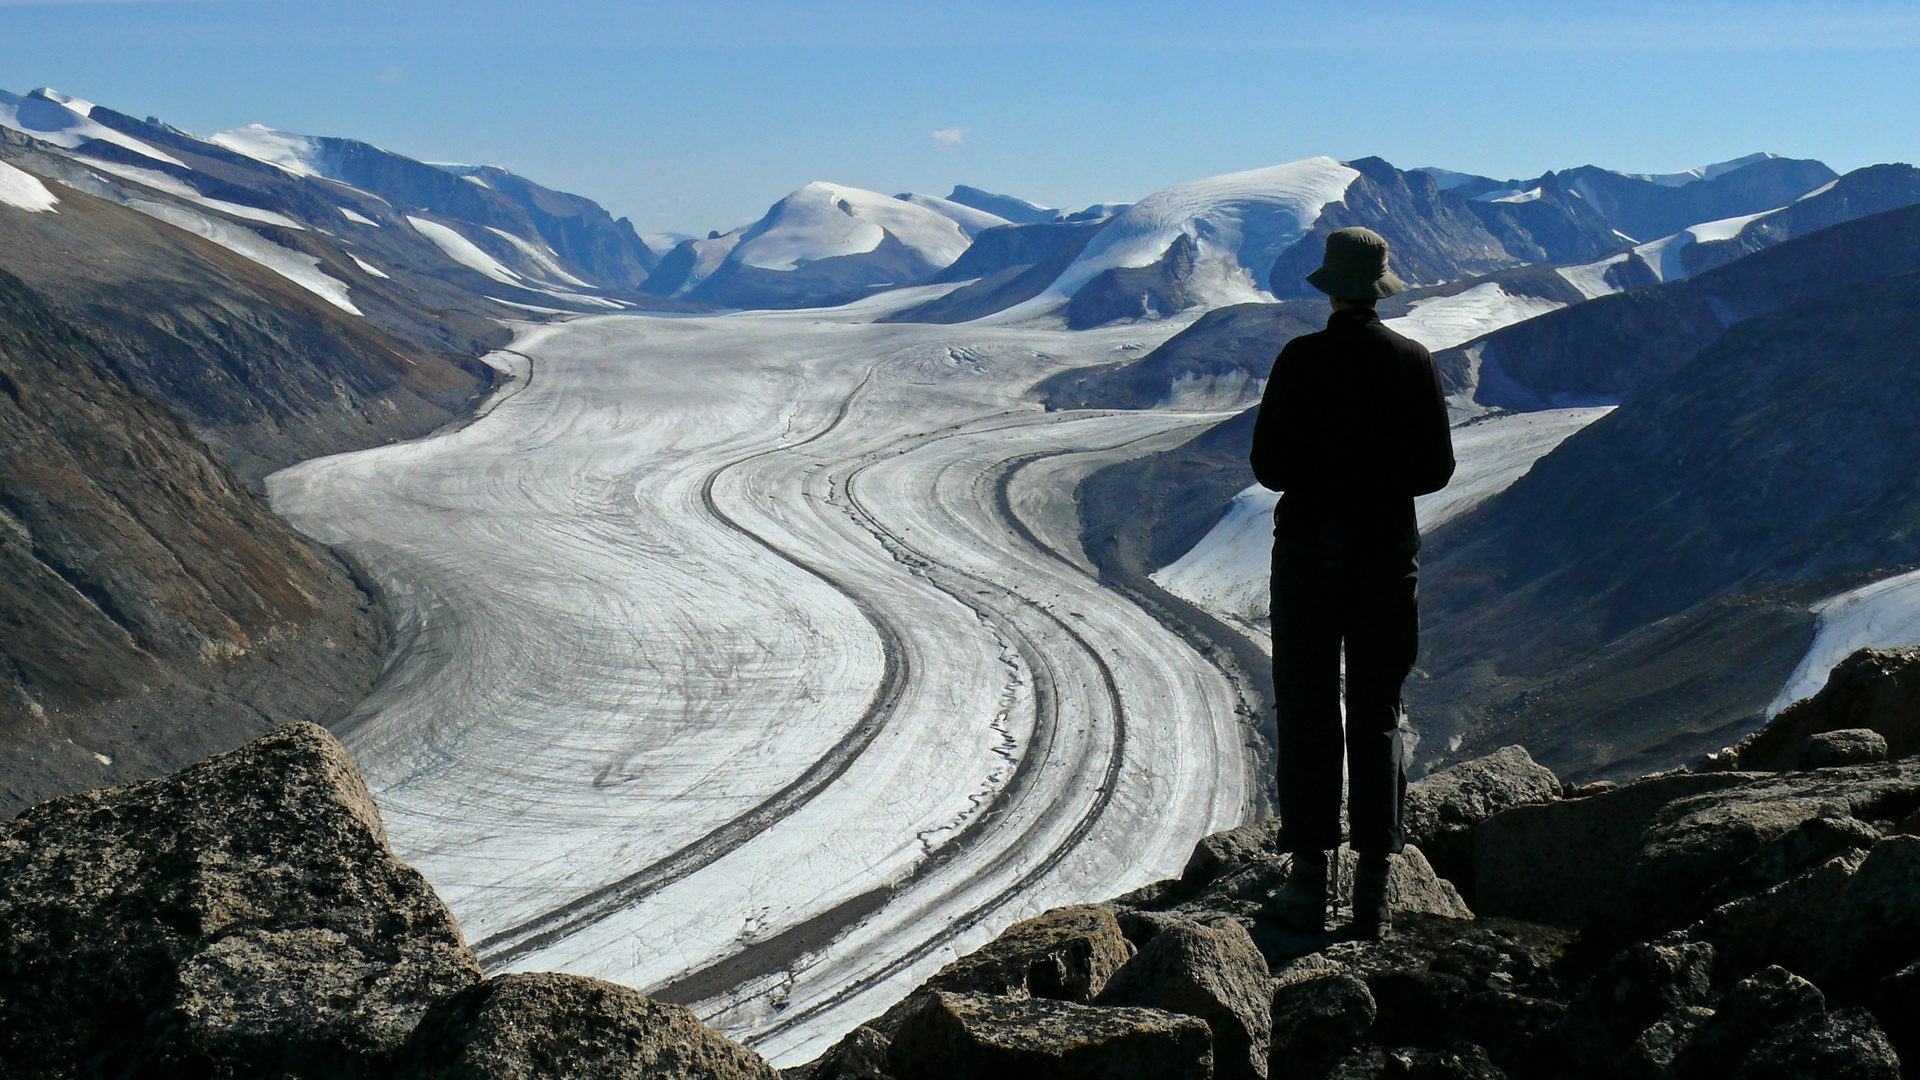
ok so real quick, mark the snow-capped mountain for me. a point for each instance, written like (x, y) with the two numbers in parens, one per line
(1644, 207)
(340, 217)
(824, 240)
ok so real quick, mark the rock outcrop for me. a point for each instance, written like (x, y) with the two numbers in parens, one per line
(245, 918)
(549, 1026)
(1872, 692)
(980, 1037)
(241, 917)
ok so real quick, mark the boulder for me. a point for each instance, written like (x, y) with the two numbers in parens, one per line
(1068, 953)
(1443, 807)
(859, 1055)
(1704, 849)
(1848, 746)
(1877, 929)
(1459, 1061)
(1746, 1016)
(1877, 689)
(549, 1025)
(1214, 972)
(982, 1037)
(1897, 1001)
(1224, 853)
(1843, 1045)
(1630, 994)
(1491, 982)
(1653, 1050)
(1570, 862)
(1791, 924)
(242, 916)
(1319, 1018)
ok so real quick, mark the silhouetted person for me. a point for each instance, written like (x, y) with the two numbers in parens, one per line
(1352, 426)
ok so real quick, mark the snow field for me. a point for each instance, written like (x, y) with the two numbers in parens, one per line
(291, 153)
(1445, 321)
(160, 181)
(1664, 255)
(25, 191)
(68, 125)
(714, 626)
(464, 251)
(1883, 615)
(822, 221)
(296, 266)
(1241, 222)
(1227, 572)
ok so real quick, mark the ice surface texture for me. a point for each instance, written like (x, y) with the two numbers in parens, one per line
(750, 661)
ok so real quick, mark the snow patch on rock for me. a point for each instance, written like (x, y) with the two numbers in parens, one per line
(1883, 615)
(24, 191)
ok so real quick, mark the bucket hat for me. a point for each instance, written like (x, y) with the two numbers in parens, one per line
(1355, 266)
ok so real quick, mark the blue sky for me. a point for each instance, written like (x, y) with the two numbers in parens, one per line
(695, 115)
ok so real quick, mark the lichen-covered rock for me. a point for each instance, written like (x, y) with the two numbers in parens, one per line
(1214, 972)
(1748, 1014)
(243, 916)
(1848, 746)
(1226, 852)
(549, 1026)
(981, 1037)
(859, 1055)
(1877, 928)
(1570, 862)
(1791, 924)
(1443, 807)
(1458, 1061)
(1653, 1050)
(1068, 953)
(1697, 850)
(1843, 1045)
(1632, 992)
(1319, 1018)
(1877, 689)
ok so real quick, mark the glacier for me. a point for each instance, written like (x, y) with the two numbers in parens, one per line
(751, 660)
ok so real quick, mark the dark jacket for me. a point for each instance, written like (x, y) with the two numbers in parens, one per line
(1353, 425)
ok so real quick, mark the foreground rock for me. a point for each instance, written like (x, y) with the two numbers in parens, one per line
(1874, 689)
(243, 916)
(982, 1037)
(1442, 808)
(1214, 972)
(535, 1027)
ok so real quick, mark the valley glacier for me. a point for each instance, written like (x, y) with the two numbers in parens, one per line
(752, 660)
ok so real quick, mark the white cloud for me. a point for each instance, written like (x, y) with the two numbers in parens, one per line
(950, 137)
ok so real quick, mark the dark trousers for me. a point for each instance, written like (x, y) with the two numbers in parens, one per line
(1369, 604)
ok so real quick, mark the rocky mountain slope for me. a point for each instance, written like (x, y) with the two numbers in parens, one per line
(1644, 589)
(1609, 346)
(1645, 207)
(152, 610)
(1693, 924)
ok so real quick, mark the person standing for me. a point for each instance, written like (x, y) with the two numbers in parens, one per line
(1352, 426)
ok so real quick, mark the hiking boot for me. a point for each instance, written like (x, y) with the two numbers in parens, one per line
(1301, 904)
(1371, 917)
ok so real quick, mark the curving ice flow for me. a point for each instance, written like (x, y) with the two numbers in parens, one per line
(1883, 615)
(752, 661)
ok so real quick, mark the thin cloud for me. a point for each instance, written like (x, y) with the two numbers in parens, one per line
(950, 137)
(392, 74)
